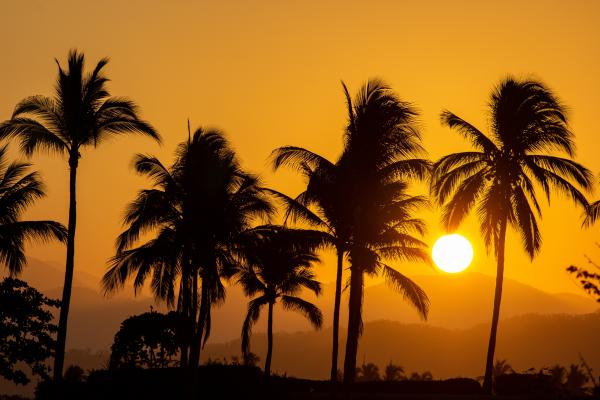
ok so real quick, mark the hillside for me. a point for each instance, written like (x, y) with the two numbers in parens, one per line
(525, 341)
(94, 319)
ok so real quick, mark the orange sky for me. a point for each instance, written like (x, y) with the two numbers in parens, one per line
(268, 72)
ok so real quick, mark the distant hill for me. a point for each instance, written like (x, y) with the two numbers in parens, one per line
(525, 341)
(452, 342)
(457, 301)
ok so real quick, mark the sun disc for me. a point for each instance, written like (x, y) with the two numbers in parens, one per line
(452, 253)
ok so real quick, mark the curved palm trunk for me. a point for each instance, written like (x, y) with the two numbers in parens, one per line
(61, 337)
(336, 315)
(489, 364)
(354, 323)
(269, 340)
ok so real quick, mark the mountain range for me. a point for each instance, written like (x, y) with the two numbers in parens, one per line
(538, 329)
(457, 302)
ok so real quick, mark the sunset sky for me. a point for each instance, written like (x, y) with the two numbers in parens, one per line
(268, 74)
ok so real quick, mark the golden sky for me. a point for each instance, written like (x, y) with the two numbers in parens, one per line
(267, 73)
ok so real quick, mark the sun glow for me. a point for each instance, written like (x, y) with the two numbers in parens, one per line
(452, 253)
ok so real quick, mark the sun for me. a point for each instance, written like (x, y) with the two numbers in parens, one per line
(452, 253)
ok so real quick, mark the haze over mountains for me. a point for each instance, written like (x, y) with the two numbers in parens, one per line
(538, 328)
(527, 341)
(95, 319)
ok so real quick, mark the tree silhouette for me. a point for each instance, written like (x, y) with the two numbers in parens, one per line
(589, 281)
(558, 373)
(320, 205)
(81, 114)
(367, 373)
(26, 331)
(381, 143)
(501, 367)
(18, 190)
(276, 268)
(425, 376)
(527, 120)
(576, 379)
(393, 372)
(146, 341)
(197, 209)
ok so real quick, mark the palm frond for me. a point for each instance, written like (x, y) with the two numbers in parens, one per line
(474, 135)
(309, 310)
(409, 290)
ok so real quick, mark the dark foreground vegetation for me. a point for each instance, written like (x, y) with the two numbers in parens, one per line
(239, 381)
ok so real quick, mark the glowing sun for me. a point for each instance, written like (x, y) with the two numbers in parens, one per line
(452, 253)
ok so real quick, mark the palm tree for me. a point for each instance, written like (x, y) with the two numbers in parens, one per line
(277, 267)
(382, 144)
(81, 114)
(18, 190)
(321, 206)
(325, 202)
(527, 122)
(393, 372)
(197, 209)
(368, 372)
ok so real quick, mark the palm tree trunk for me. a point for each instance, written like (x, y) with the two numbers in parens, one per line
(269, 340)
(61, 339)
(199, 322)
(354, 323)
(336, 315)
(489, 364)
(185, 315)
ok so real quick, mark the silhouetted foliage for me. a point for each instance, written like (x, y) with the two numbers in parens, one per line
(74, 373)
(424, 376)
(393, 372)
(251, 359)
(195, 211)
(26, 331)
(276, 267)
(381, 146)
(322, 206)
(501, 367)
(81, 114)
(527, 121)
(19, 189)
(589, 281)
(367, 372)
(146, 341)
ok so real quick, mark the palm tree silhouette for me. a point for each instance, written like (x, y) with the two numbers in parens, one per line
(393, 372)
(197, 208)
(325, 202)
(81, 114)
(18, 190)
(381, 146)
(368, 372)
(277, 267)
(498, 178)
(320, 205)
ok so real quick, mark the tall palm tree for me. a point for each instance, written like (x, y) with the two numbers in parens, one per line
(325, 202)
(197, 209)
(528, 123)
(18, 190)
(276, 268)
(81, 114)
(382, 146)
(321, 206)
